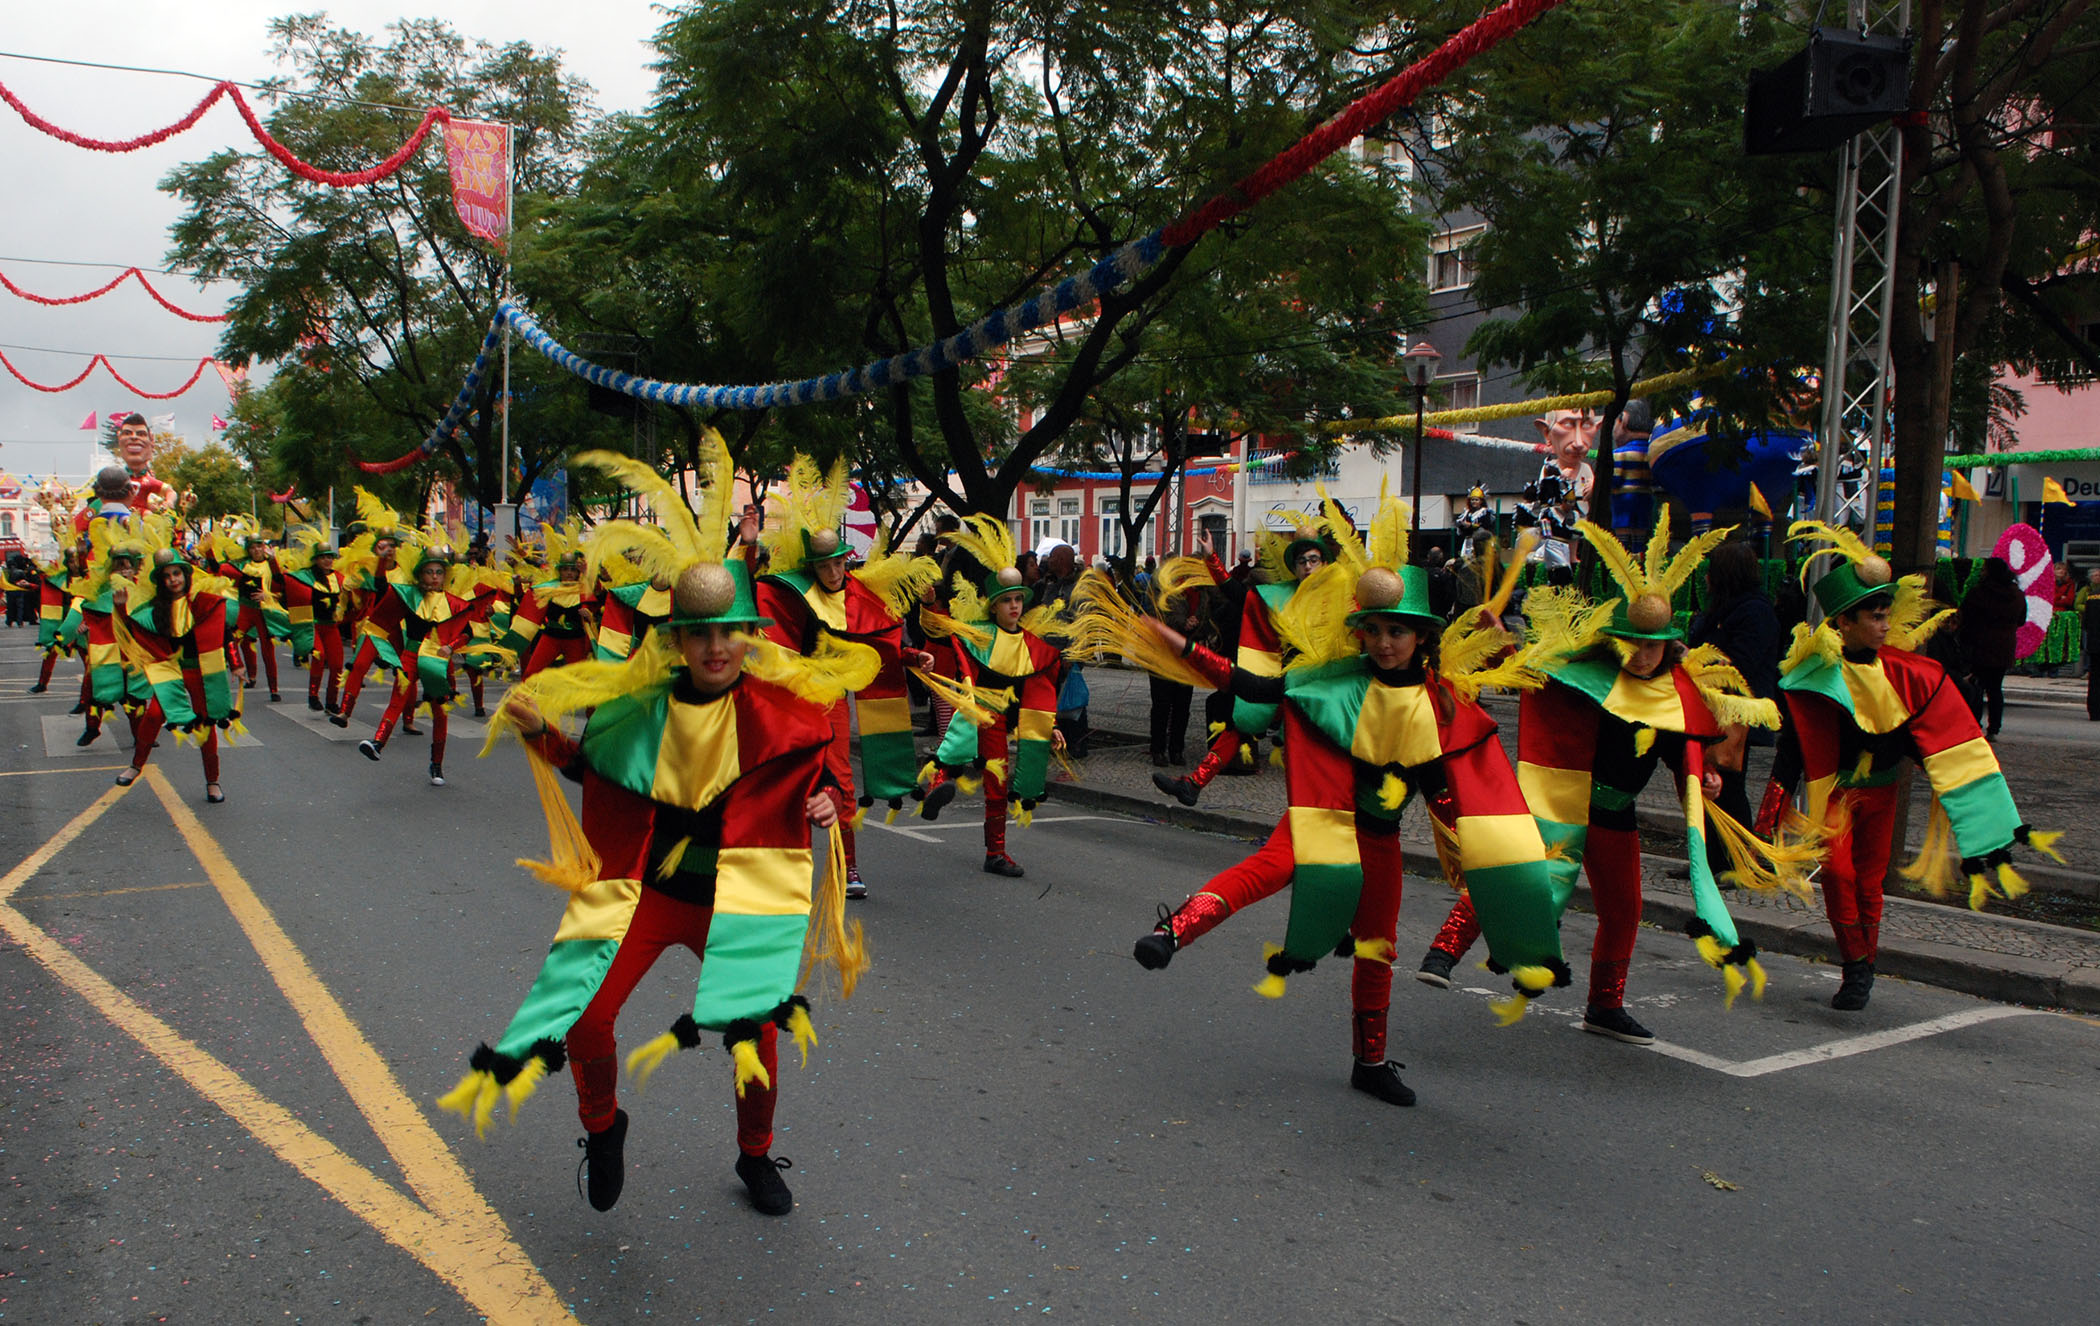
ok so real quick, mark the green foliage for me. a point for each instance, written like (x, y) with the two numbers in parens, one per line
(373, 300)
(215, 476)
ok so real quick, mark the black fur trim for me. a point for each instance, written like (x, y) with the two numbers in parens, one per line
(483, 1059)
(1347, 947)
(1743, 952)
(551, 1052)
(1027, 804)
(687, 1031)
(1496, 967)
(1697, 928)
(866, 799)
(780, 1015)
(897, 803)
(743, 1029)
(1283, 964)
(1562, 976)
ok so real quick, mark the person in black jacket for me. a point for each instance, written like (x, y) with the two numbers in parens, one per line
(1741, 622)
(1991, 615)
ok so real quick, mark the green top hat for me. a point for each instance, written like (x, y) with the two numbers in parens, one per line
(1851, 583)
(821, 545)
(431, 554)
(170, 556)
(1001, 583)
(1393, 592)
(715, 593)
(1648, 617)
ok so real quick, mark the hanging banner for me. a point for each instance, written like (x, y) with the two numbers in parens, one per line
(479, 155)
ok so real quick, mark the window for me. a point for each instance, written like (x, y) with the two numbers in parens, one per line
(1068, 518)
(7, 524)
(1111, 509)
(1038, 521)
(1219, 528)
(1459, 392)
(1450, 268)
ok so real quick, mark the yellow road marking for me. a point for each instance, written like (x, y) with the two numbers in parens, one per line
(77, 768)
(426, 1162)
(142, 888)
(58, 842)
(483, 1265)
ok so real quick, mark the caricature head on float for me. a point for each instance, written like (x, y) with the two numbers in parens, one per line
(135, 445)
(1569, 435)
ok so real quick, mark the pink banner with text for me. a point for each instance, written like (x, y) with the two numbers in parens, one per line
(479, 155)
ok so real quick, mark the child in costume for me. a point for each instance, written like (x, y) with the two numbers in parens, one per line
(556, 619)
(1860, 703)
(258, 581)
(702, 767)
(811, 595)
(313, 602)
(1002, 658)
(113, 683)
(1623, 697)
(54, 606)
(1369, 720)
(1260, 652)
(434, 625)
(367, 568)
(177, 630)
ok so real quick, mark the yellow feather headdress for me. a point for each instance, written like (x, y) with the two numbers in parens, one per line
(987, 539)
(811, 500)
(1658, 573)
(1843, 543)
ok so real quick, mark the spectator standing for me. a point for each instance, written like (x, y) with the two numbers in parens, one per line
(2085, 636)
(2063, 598)
(1990, 622)
(1944, 647)
(1742, 623)
(2092, 641)
(1170, 699)
(1443, 584)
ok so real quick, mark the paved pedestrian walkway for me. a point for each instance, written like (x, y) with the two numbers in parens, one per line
(1996, 956)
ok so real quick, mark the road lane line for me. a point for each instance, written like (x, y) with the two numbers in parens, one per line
(428, 1165)
(142, 888)
(63, 768)
(480, 1266)
(1874, 1040)
(57, 842)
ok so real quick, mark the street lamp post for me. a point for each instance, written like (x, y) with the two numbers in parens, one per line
(1421, 363)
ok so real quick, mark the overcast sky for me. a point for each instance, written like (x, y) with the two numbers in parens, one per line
(64, 204)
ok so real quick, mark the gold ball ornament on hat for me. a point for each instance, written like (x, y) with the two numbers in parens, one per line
(825, 543)
(1874, 570)
(707, 590)
(1379, 590)
(1649, 612)
(1011, 578)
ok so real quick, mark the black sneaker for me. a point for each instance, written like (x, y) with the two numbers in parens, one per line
(338, 720)
(1436, 969)
(76, 709)
(1858, 985)
(605, 1162)
(39, 688)
(1616, 1023)
(87, 737)
(1178, 786)
(999, 863)
(437, 774)
(1382, 1081)
(761, 1176)
(1155, 950)
(368, 748)
(930, 808)
(275, 698)
(313, 702)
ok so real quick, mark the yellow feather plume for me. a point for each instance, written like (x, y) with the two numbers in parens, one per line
(1534, 980)
(942, 626)
(465, 1099)
(898, 579)
(520, 1088)
(696, 540)
(1938, 862)
(1809, 642)
(979, 707)
(831, 941)
(1350, 550)
(1757, 864)
(1269, 550)
(1374, 950)
(987, 539)
(1624, 571)
(1725, 691)
(1176, 576)
(572, 863)
(810, 500)
(824, 676)
(586, 685)
(645, 1059)
(1845, 544)
(1509, 1010)
(1387, 544)
(1392, 792)
(1914, 617)
(749, 1068)
(1315, 621)
(634, 551)
(1106, 623)
(2044, 841)
(804, 1032)
(1047, 621)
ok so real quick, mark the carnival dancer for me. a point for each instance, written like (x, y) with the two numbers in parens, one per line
(366, 567)
(113, 683)
(556, 618)
(314, 601)
(1861, 702)
(1370, 720)
(177, 632)
(1288, 563)
(1625, 697)
(810, 594)
(434, 625)
(56, 631)
(502, 587)
(999, 652)
(702, 766)
(258, 580)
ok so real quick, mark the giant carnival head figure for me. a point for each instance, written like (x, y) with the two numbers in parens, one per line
(1569, 435)
(135, 443)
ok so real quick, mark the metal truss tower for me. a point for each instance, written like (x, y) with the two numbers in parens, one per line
(1856, 377)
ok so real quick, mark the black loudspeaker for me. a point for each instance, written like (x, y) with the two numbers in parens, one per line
(1843, 83)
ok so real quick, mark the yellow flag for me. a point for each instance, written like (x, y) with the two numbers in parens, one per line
(2052, 491)
(1961, 488)
(1758, 503)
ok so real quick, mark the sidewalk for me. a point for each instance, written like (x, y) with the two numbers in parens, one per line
(1997, 957)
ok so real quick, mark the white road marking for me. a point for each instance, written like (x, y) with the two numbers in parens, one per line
(924, 832)
(1873, 1040)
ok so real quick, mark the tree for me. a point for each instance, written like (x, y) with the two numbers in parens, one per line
(374, 300)
(1627, 234)
(221, 484)
(2001, 188)
(822, 184)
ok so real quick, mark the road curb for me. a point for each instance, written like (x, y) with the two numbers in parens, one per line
(2009, 978)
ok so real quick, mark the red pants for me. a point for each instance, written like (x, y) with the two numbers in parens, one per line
(249, 627)
(327, 657)
(1377, 917)
(354, 681)
(1854, 865)
(1612, 859)
(993, 745)
(555, 651)
(146, 726)
(659, 922)
(403, 704)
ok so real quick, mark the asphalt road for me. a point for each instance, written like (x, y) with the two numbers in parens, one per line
(225, 1027)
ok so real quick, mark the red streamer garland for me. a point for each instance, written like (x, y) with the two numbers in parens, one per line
(1401, 89)
(103, 360)
(121, 278)
(313, 174)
